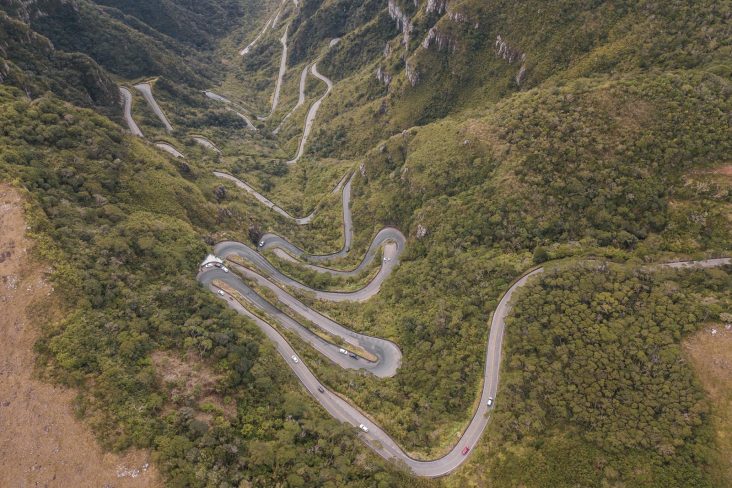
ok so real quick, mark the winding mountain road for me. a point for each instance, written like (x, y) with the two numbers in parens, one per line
(300, 100)
(376, 438)
(280, 76)
(268, 203)
(127, 103)
(146, 91)
(205, 142)
(387, 353)
(384, 357)
(271, 22)
(312, 113)
(170, 149)
(249, 47)
(229, 104)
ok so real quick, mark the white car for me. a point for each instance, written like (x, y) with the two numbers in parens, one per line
(294, 359)
(261, 243)
(387, 259)
(489, 403)
(226, 270)
(342, 351)
(221, 292)
(363, 427)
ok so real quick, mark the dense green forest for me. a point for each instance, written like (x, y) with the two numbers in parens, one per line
(594, 364)
(125, 233)
(612, 145)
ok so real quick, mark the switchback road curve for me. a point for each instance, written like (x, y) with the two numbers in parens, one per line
(376, 438)
(127, 103)
(312, 113)
(146, 91)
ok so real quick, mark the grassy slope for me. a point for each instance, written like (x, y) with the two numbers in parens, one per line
(621, 115)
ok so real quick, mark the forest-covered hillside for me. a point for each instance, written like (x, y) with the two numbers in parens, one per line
(592, 137)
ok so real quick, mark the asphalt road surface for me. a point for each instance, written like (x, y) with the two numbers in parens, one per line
(169, 148)
(146, 91)
(205, 142)
(278, 85)
(312, 113)
(268, 203)
(127, 102)
(387, 355)
(300, 100)
(378, 440)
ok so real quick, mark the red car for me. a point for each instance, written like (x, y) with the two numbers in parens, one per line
(465, 450)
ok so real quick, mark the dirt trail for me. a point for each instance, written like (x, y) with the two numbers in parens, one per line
(41, 442)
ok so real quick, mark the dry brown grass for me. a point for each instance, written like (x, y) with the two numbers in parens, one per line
(190, 381)
(724, 170)
(41, 442)
(711, 356)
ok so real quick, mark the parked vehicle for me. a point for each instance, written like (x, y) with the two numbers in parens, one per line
(363, 427)
(294, 359)
(465, 450)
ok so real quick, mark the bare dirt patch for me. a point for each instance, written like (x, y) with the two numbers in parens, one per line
(41, 442)
(724, 170)
(711, 355)
(191, 382)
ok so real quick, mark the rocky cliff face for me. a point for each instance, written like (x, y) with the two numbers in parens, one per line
(511, 55)
(403, 22)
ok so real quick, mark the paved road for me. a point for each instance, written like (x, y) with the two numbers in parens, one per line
(708, 263)
(169, 148)
(310, 119)
(229, 104)
(205, 142)
(377, 439)
(300, 100)
(249, 47)
(268, 203)
(388, 356)
(127, 102)
(278, 85)
(146, 91)
(271, 22)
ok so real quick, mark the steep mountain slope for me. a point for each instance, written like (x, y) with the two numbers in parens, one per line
(195, 22)
(453, 56)
(122, 43)
(30, 62)
(495, 136)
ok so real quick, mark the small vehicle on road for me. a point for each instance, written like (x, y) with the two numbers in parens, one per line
(294, 359)
(221, 292)
(342, 351)
(363, 427)
(489, 403)
(321, 389)
(261, 243)
(225, 269)
(387, 259)
(353, 356)
(465, 450)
